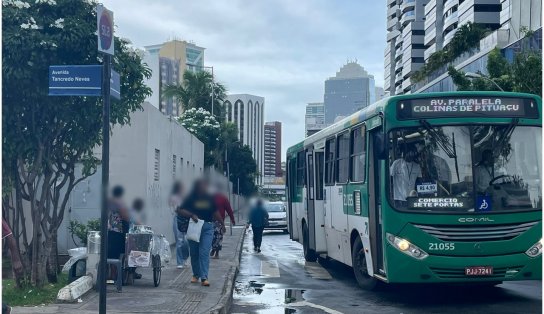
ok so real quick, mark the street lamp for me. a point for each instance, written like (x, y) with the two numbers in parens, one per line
(213, 79)
(480, 76)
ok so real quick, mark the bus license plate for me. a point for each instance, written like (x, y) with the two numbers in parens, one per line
(479, 271)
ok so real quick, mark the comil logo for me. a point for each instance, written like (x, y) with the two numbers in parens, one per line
(475, 219)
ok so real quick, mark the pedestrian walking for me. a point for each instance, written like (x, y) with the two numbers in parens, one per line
(118, 225)
(224, 208)
(258, 219)
(200, 205)
(16, 265)
(182, 247)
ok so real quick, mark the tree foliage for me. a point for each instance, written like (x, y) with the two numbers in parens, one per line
(195, 91)
(523, 75)
(243, 168)
(466, 37)
(44, 138)
(205, 127)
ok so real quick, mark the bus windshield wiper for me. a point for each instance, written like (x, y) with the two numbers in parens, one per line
(507, 133)
(440, 139)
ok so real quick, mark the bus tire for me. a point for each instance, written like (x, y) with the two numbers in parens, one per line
(360, 269)
(309, 254)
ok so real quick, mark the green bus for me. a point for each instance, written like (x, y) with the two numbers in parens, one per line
(438, 187)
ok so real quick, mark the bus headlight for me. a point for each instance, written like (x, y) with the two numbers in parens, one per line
(535, 250)
(406, 247)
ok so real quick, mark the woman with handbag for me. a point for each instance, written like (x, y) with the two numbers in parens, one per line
(200, 207)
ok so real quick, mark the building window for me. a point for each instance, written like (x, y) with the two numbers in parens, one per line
(329, 161)
(174, 159)
(358, 155)
(157, 166)
(342, 158)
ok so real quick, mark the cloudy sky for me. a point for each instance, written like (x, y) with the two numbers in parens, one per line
(282, 50)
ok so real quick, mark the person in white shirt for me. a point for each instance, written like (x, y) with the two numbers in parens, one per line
(404, 172)
(485, 171)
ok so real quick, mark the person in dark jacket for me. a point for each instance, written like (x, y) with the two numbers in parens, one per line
(258, 219)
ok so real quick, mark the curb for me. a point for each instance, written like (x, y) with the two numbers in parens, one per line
(223, 306)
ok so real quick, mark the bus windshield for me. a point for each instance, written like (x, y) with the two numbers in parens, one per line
(486, 168)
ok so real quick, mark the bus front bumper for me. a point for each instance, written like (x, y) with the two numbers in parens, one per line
(402, 268)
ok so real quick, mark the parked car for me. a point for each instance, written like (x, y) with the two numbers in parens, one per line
(277, 216)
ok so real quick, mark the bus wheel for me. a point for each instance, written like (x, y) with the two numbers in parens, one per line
(360, 269)
(309, 254)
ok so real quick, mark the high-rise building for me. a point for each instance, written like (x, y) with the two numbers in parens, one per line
(405, 43)
(272, 149)
(168, 62)
(247, 112)
(443, 18)
(315, 118)
(507, 20)
(350, 90)
(380, 93)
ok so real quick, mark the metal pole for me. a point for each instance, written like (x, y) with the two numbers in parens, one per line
(228, 179)
(106, 68)
(213, 89)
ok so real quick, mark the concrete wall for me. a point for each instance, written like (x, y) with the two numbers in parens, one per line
(132, 165)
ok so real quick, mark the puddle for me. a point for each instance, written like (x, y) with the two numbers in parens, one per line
(253, 293)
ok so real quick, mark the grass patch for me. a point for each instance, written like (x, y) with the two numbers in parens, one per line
(30, 296)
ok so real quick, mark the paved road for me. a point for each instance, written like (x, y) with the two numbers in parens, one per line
(278, 280)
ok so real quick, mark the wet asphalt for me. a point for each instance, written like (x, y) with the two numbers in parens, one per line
(279, 280)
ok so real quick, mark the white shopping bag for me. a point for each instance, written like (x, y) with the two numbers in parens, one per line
(194, 230)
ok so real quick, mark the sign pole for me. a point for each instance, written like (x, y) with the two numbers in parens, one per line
(104, 25)
(105, 182)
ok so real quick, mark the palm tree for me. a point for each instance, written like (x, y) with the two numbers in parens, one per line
(195, 91)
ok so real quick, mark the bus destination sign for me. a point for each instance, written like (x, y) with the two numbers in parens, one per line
(467, 107)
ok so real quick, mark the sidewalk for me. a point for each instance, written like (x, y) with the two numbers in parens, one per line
(175, 294)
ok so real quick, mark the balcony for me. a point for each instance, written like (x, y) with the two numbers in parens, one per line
(392, 34)
(450, 4)
(408, 5)
(429, 51)
(393, 11)
(408, 17)
(398, 91)
(450, 20)
(430, 36)
(430, 6)
(392, 24)
(448, 37)
(398, 66)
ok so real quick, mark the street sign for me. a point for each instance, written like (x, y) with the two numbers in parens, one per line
(115, 85)
(104, 24)
(75, 80)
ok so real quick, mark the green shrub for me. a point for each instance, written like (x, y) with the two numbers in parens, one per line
(80, 230)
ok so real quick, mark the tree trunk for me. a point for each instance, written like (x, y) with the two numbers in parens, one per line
(52, 262)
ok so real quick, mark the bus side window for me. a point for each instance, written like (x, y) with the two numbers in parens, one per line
(358, 155)
(342, 158)
(301, 168)
(330, 148)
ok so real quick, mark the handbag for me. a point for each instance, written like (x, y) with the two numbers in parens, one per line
(183, 223)
(194, 230)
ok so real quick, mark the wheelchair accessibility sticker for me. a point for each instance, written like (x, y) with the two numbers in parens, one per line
(483, 204)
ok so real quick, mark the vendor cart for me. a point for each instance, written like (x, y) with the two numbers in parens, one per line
(143, 249)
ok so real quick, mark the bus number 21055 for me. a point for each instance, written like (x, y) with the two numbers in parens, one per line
(441, 246)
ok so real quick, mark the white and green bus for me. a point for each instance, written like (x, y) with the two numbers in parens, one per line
(441, 187)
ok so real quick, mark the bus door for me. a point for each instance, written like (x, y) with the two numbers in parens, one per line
(310, 197)
(316, 207)
(291, 184)
(374, 202)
